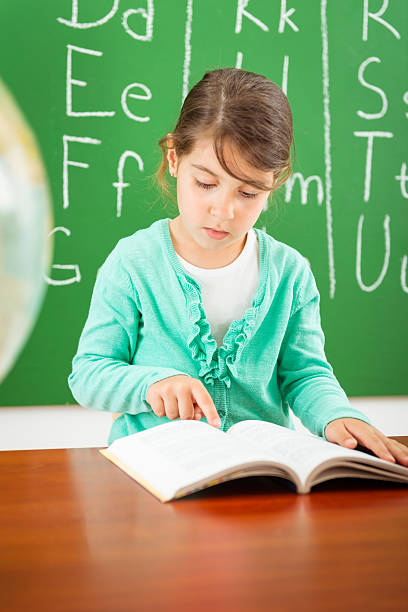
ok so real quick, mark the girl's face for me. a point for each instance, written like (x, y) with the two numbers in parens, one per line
(209, 198)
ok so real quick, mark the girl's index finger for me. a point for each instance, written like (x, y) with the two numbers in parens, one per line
(206, 405)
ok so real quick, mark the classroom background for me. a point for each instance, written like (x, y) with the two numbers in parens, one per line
(88, 89)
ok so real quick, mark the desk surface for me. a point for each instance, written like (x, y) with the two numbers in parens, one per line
(78, 534)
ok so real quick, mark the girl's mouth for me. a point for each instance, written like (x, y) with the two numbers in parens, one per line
(214, 234)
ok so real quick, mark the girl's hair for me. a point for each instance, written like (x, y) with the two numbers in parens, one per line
(238, 108)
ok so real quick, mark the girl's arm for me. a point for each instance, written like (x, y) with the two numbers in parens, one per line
(102, 376)
(306, 379)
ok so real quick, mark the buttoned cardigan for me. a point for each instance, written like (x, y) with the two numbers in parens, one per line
(146, 322)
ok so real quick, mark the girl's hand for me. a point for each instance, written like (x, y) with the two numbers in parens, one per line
(348, 432)
(182, 396)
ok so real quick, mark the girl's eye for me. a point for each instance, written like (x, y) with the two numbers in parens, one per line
(209, 185)
(204, 185)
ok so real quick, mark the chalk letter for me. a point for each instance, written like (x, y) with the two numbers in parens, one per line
(376, 89)
(369, 157)
(66, 139)
(285, 74)
(71, 81)
(149, 21)
(242, 4)
(405, 99)
(67, 281)
(125, 93)
(403, 178)
(74, 23)
(404, 285)
(386, 258)
(304, 186)
(377, 17)
(120, 184)
(284, 14)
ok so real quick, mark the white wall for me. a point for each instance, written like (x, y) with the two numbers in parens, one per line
(30, 427)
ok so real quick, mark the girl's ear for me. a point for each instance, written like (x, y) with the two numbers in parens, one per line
(171, 156)
(172, 159)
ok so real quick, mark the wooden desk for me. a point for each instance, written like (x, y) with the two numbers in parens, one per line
(77, 534)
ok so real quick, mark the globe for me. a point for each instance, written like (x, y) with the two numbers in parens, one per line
(25, 224)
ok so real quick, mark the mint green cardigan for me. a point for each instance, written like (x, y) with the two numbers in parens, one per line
(146, 322)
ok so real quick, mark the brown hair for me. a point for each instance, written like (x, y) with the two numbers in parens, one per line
(240, 108)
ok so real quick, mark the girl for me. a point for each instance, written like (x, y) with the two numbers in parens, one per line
(203, 315)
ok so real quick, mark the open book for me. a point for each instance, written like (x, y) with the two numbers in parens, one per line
(183, 456)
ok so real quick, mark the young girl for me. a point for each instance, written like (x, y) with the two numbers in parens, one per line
(203, 315)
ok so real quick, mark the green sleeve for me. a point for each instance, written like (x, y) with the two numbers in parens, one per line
(103, 376)
(306, 379)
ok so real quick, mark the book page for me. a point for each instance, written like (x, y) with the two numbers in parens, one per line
(178, 453)
(303, 452)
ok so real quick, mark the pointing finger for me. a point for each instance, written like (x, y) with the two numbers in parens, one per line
(206, 404)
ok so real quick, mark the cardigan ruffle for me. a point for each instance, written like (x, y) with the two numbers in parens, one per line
(216, 361)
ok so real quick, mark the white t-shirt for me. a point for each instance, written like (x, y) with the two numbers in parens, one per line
(227, 292)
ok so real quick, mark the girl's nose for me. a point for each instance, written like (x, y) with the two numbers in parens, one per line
(223, 208)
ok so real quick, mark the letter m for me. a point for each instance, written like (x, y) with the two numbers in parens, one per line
(304, 187)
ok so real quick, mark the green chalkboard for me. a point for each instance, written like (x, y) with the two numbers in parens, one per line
(99, 97)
